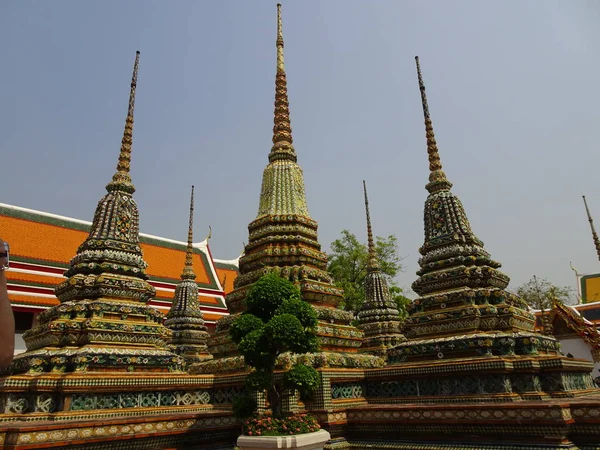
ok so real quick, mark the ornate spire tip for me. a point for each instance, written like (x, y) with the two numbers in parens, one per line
(122, 179)
(591, 221)
(437, 177)
(372, 263)
(188, 270)
(282, 129)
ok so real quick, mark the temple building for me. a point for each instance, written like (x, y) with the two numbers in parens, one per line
(578, 336)
(42, 245)
(576, 326)
(105, 368)
(588, 285)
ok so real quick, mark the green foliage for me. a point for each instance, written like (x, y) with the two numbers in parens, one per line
(305, 313)
(348, 267)
(538, 293)
(303, 378)
(251, 347)
(243, 326)
(268, 293)
(286, 333)
(401, 301)
(244, 406)
(257, 381)
(277, 321)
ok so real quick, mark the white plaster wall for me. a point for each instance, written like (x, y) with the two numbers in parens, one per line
(579, 349)
(19, 344)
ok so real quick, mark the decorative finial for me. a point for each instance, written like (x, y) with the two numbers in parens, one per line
(188, 270)
(573, 268)
(279, 43)
(224, 283)
(437, 177)
(282, 129)
(122, 179)
(209, 235)
(594, 234)
(372, 264)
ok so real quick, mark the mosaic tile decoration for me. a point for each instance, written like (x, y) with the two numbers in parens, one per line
(185, 319)
(379, 317)
(283, 238)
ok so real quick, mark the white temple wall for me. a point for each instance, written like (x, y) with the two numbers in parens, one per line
(579, 349)
(19, 344)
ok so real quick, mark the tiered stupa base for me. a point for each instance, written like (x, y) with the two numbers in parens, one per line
(483, 379)
(102, 334)
(529, 425)
(103, 359)
(339, 341)
(382, 339)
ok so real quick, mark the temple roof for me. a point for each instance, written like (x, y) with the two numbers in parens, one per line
(42, 244)
(576, 322)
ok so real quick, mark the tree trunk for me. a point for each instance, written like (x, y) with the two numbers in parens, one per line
(274, 399)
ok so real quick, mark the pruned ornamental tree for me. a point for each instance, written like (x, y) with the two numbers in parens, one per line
(276, 321)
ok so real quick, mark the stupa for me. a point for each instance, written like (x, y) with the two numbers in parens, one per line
(101, 357)
(283, 238)
(185, 318)
(379, 317)
(103, 321)
(465, 320)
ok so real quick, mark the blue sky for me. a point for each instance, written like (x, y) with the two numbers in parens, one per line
(512, 88)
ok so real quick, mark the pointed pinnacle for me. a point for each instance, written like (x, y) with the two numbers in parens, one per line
(591, 221)
(437, 177)
(282, 128)
(279, 42)
(372, 263)
(122, 179)
(188, 270)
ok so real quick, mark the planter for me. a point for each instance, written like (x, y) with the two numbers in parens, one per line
(307, 441)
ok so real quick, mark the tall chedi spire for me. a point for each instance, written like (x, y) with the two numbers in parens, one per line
(282, 127)
(437, 177)
(283, 239)
(473, 339)
(461, 289)
(122, 179)
(591, 221)
(453, 258)
(185, 318)
(283, 181)
(104, 299)
(379, 317)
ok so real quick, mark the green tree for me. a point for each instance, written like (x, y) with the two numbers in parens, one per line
(348, 267)
(539, 293)
(276, 321)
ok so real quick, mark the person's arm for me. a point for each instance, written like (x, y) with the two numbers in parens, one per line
(7, 319)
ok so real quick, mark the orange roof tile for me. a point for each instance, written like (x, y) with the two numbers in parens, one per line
(45, 243)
